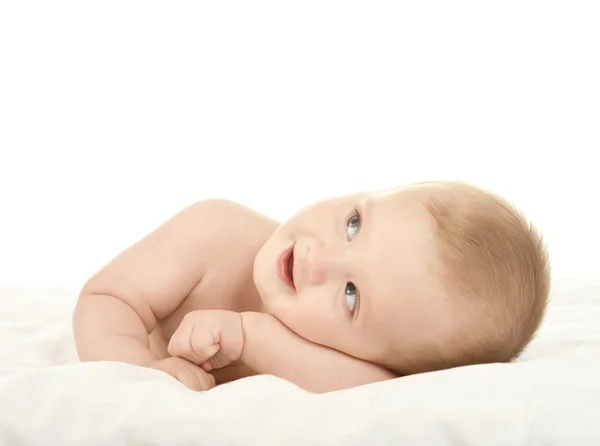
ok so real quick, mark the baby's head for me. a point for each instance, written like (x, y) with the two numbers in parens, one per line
(419, 278)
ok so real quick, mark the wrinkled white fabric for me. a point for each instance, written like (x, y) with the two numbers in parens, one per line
(550, 397)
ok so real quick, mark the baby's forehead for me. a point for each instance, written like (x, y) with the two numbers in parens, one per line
(400, 244)
(394, 218)
(409, 194)
(402, 263)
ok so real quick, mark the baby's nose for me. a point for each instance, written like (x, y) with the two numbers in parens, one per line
(323, 264)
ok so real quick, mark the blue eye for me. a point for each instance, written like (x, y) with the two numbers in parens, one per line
(353, 225)
(351, 296)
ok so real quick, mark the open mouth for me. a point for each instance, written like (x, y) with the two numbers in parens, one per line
(290, 268)
(285, 267)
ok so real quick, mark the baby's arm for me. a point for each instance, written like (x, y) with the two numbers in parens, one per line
(119, 306)
(271, 348)
(215, 339)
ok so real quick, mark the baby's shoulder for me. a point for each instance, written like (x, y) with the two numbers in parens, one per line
(226, 224)
(228, 216)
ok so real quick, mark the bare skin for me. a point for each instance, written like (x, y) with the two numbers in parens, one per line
(200, 299)
(200, 259)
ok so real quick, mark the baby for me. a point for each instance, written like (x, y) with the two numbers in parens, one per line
(349, 291)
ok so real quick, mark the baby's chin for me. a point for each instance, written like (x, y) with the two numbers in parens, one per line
(275, 305)
(271, 298)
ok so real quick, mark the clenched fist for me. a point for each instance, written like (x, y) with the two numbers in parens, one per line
(211, 339)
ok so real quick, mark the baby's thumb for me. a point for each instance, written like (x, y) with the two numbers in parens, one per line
(205, 352)
(215, 362)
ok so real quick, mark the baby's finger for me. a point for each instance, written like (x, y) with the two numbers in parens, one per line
(203, 346)
(204, 381)
(207, 366)
(202, 353)
(179, 344)
(188, 379)
(217, 361)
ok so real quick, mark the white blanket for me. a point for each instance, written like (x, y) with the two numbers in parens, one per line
(550, 397)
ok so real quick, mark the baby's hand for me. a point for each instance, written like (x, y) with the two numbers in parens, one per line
(211, 339)
(185, 372)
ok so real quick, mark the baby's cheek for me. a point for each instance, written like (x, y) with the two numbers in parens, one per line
(312, 321)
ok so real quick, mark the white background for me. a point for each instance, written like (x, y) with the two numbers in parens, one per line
(115, 114)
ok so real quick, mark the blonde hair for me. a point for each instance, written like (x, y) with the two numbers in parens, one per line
(496, 263)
